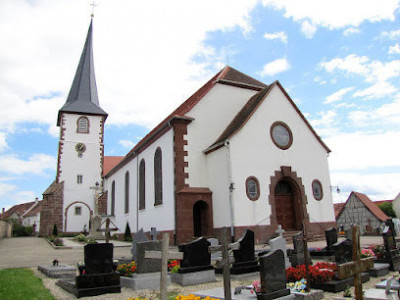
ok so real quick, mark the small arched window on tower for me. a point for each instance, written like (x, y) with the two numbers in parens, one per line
(158, 193)
(142, 185)
(82, 125)
(113, 198)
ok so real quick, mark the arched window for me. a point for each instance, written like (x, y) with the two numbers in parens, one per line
(82, 125)
(113, 198)
(158, 193)
(127, 192)
(142, 185)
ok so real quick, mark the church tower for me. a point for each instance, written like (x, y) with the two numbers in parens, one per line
(80, 151)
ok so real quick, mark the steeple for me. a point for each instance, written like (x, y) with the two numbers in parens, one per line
(82, 98)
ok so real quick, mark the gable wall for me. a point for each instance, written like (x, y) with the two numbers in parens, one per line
(211, 116)
(253, 153)
(355, 212)
(162, 216)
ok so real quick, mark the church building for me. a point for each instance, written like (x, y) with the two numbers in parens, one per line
(238, 153)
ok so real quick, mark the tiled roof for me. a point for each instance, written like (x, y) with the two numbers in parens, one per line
(382, 202)
(227, 75)
(110, 162)
(338, 208)
(19, 209)
(247, 111)
(371, 206)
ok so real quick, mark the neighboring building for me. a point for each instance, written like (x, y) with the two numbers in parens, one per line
(27, 214)
(396, 205)
(360, 210)
(238, 153)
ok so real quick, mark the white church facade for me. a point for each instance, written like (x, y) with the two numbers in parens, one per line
(238, 154)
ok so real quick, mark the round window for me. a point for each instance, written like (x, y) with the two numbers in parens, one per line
(281, 135)
(317, 189)
(252, 188)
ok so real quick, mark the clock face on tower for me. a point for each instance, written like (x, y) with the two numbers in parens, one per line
(80, 148)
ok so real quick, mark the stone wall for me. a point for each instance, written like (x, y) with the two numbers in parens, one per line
(52, 209)
(5, 229)
(103, 204)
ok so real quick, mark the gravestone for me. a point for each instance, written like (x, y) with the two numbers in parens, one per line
(272, 276)
(279, 243)
(58, 271)
(391, 255)
(196, 265)
(148, 265)
(343, 251)
(245, 260)
(280, 231)
(153, 233)
(297, 255)
(331, 236)
(140, 236)
(99, 277)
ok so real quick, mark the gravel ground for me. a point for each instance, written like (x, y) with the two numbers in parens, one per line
(126, 293)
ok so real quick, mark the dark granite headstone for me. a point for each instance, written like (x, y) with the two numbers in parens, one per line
(273, 276)
(148, 265)
(391, 255)
(331, 237)
(98, 258)
(140, 236)
(195, 256)
(245, 260)
(296, 256)
(343, 251)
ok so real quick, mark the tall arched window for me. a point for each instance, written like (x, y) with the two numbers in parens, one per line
(113, 198)
(142, 185)
(158, 193)
(82, 125)
(127, 192)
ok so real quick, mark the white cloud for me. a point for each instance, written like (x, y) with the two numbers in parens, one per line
(281, 35)
(274, 67)
(308, 29)
(338, 95)
(377, 90)
(391, 35)
(351, 31)
(394, 49)
(3, 141)
(336, 14)
(351, 64)
(326, 119)
(127, 144)
(361, 151)
(36, 164)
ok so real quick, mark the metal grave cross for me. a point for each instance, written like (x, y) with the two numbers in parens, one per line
(357, 266)
(108, 230)
(164, 255)
(224, 248)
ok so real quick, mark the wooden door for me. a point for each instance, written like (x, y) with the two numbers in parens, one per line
(285, 206)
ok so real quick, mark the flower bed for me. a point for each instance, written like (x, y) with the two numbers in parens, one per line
(127, 269)
(320, 272)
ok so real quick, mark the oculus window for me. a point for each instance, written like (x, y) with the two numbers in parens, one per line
(252, 188)
(317, 189)
(281, 135)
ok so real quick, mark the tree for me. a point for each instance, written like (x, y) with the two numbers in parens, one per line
(387, 208)
(55, 230)
(127, 235)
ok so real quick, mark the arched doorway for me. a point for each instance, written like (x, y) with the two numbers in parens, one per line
(285, 205)
(200, 218)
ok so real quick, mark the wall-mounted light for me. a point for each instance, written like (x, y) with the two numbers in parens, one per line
(337, 188)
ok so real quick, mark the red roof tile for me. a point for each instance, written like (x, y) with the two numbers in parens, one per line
(338, 208)
(19, 209)
(110, 162)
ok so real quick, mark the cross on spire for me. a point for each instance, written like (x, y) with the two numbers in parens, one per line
(93, 4)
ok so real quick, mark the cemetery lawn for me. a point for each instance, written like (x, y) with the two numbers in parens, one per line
(22, 284)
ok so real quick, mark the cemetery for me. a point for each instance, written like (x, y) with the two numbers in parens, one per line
(220, 269)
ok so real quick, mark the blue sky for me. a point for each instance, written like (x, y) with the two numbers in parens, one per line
(338, 60)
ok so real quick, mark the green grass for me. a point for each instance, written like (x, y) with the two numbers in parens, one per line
(22, 284)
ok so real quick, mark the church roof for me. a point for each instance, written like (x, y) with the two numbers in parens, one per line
(110, 162)
(82, 97)
(227, 75)
(247, 111)
(369, 204)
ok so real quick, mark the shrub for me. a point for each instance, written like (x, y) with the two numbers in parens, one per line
(127, 235)
(91, 241)
(21, 230)
(387, 208)
(55, 230)
(58, 242)
(80, 237)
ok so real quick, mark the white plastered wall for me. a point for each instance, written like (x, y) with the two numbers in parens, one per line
(89, 166)
(161, 216)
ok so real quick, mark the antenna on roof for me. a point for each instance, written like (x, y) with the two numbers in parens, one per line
(93, 4)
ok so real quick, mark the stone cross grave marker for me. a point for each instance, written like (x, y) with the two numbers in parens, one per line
(357, 266)
(164, 255)
(108, 230)
(153, 233)
(280, 230)
(140, 236)
(224, 248)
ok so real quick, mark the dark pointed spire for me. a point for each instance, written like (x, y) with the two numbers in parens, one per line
(82, 97)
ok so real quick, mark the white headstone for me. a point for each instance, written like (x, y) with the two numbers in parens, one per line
(279, 243)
